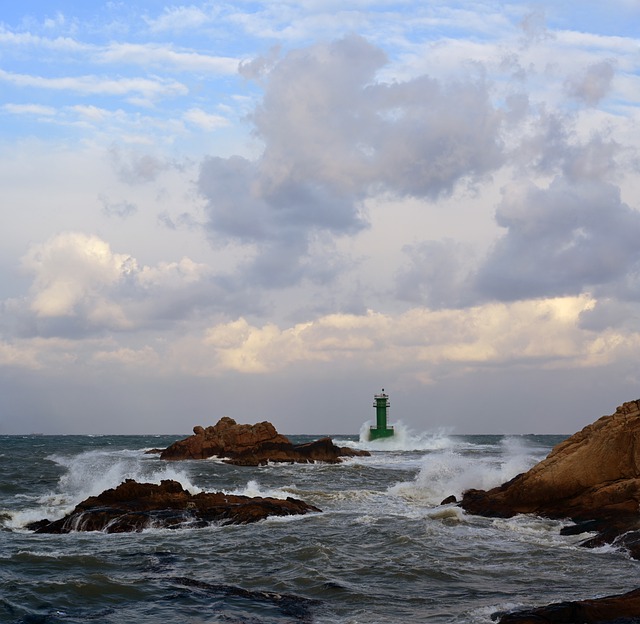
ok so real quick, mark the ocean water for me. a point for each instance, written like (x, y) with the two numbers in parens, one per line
(382, 550)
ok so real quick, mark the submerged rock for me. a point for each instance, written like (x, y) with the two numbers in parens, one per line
(253, 445)
(592, 478)
(134, 506)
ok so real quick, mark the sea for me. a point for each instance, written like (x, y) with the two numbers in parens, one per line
(383, 549)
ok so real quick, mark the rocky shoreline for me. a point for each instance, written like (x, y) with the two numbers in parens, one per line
(593, 480)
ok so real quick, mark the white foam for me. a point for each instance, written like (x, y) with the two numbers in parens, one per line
(91, 473)
(403, 439)
(253, 489)
(449, 472)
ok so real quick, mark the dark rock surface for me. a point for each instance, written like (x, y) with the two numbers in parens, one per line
(253, 445)
(621, 609)
(592, 478)
(134, 506)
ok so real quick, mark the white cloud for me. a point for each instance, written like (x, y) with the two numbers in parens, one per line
(30, 109)
(204, 120)
(95, 85)
(438, 343)
(152, 55)
(73, 270)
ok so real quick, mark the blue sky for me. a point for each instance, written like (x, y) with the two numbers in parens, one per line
(270, 211)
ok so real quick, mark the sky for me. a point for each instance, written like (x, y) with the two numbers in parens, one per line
(273, 210)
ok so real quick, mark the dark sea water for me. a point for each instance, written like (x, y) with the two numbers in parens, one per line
(382, 550)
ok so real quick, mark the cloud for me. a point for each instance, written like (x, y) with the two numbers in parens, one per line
(74, 271)
(204, 120)
(82, 288)
(154, 55)
(179, 18)
(564, 239)
(148, 89)
(333, 135)
(136, 168)
(122, 209)
(437, 274)
(30, 109)
(593, 85)
(438, 344)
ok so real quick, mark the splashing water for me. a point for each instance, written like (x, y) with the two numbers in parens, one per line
(449, 472)
(92, 472)
(404, 439)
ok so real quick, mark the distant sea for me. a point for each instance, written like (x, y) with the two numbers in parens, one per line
(382, 550)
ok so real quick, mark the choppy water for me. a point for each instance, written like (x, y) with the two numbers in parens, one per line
(383, 550)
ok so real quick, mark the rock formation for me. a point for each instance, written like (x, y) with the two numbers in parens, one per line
(253, 445)
(621, 609)
(592, 478)
(134, 506)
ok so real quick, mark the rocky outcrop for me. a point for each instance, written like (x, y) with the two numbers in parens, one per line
(621, 609)
(134, 506)
(592, 478)
(253, 445)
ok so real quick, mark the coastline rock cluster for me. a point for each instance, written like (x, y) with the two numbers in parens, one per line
(592, 479)
(253, 445)
(133, 507)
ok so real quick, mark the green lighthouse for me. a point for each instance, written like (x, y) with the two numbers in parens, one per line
(381, 430)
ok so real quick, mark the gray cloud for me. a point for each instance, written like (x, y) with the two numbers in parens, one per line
(562, 240)
(333, 135)
(593, 85)
(122, 209)
(136, 168)
(436, 275)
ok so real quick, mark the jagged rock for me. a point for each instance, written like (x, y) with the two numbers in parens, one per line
(592, 478)
(619, 609)
(253, 445)
(134, 506)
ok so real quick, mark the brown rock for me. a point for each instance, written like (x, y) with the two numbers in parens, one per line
(134, 506)
(593, 477)
(253, 445)
(620, 609)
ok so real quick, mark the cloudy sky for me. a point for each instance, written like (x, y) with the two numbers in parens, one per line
(272, 210)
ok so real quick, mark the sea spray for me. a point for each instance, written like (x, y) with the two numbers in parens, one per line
(91, 473)
(404, 439)
(450, 472)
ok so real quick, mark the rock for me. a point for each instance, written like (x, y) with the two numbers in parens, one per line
(592, 478)
(134, 506)
(253, 445)
(621, 609)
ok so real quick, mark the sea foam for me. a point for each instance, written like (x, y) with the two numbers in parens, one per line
(450, 472)
(404, 439)
(92, 472)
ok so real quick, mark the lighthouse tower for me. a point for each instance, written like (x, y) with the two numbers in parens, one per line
(381, 430)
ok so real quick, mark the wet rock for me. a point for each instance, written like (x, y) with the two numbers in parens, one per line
(253, 445)
(620, 609)
(592, 478)
(134, 506)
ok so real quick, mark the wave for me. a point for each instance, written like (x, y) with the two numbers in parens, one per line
(452, 471)
(404, 439)
(89, 474)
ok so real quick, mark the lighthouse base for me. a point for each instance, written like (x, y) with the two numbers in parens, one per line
(376, 434)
